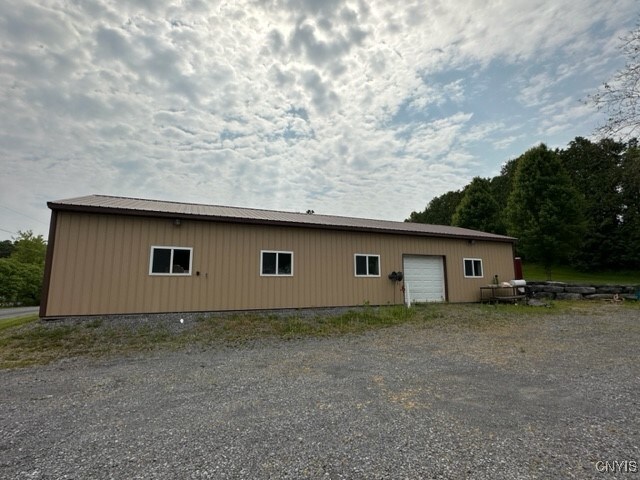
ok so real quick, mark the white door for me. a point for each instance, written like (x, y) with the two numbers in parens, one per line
(423, 278)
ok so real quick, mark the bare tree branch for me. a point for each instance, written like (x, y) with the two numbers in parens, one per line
(620, 97)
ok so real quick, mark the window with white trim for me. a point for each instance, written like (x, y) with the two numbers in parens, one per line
(473, 268)
(275, 263)
(170, 260)
(367, 265)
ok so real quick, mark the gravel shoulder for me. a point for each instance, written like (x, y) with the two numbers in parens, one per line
(541, 397)
(17, 312)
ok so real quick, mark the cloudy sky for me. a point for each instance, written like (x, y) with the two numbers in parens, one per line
(358, 108)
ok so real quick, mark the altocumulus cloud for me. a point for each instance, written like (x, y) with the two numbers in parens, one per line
(347, 107)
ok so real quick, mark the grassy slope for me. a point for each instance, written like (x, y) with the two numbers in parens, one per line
(36, 343)
(533, 272)
(16, 321)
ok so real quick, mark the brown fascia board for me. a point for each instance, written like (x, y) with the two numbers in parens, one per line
(257, 221)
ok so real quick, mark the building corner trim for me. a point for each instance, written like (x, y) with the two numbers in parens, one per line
(44, 296)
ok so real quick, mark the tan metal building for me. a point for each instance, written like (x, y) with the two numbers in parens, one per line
(114, 255)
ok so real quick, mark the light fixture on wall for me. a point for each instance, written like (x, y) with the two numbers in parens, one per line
(176, 222)
(471, 242)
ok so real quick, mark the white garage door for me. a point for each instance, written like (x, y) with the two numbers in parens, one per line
(423, 278)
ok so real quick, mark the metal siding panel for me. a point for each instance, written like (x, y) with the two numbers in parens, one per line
(74, 260)
(199, 263)
(227, 268)
(113, 267)
(245, 263)
(85, 268)
(155, 284)
(496, 260)
(100, 274)
(342, 262)
(319, 267)
(235, 262)
(139, 265)
(59, 275)
(144, 289)
(57, 267)
(124, 261)
(252, 254)
(103, 260)
(305, 276)
(83, 265)
(336, 272)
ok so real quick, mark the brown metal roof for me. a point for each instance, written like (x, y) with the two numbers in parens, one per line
(138, 206)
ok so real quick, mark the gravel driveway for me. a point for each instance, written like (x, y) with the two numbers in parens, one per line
(551, 396)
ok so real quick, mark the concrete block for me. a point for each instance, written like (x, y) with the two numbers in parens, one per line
(547, 295)
(568, 296)
(609, 289)
(553, 289)
(599, 296)
(582, 290)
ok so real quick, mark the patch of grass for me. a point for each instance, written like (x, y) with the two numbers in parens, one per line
(6, 323)
(485, 316)
(37, 343)
(246, 327)
(34, 343)
(95, 323)
(631, 304)
(534, 272)
(29, 342)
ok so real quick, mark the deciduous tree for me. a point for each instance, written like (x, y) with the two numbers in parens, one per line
(440, 209)
(595, 171)
(21, 273)
(544, 210)
(478, 209)
(6, 248)
(29, 248)
(630, 217)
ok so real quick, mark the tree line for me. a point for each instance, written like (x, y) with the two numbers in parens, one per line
(576, 206)
(22, 269)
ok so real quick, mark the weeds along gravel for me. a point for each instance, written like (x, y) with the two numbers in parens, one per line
(40, 342)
